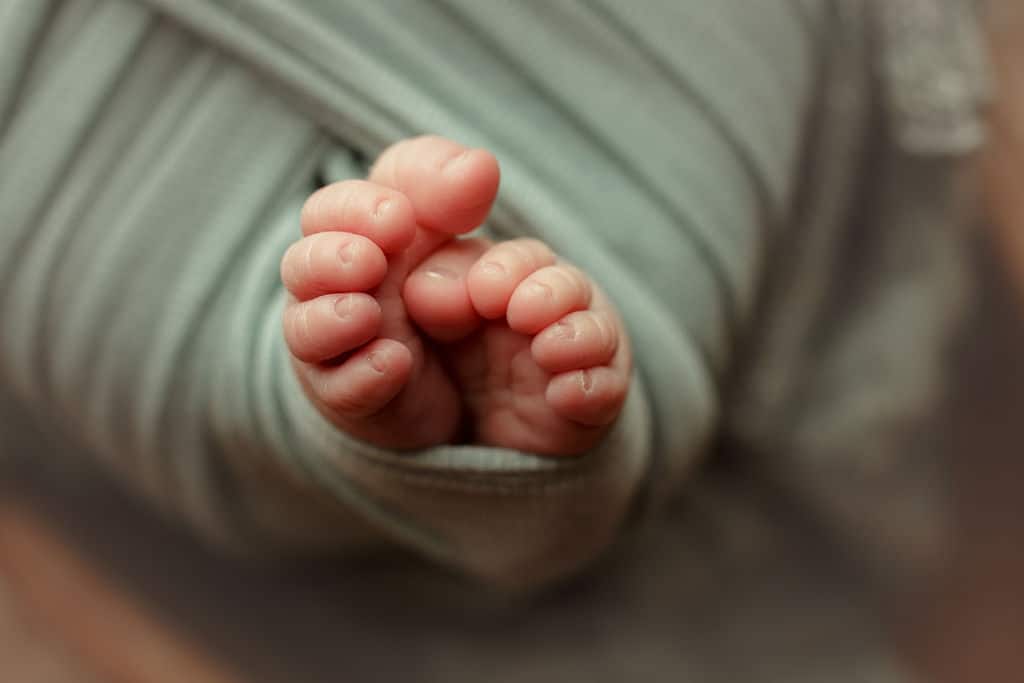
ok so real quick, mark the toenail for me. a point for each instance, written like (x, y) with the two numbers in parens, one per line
(382, 207)
(346, 252)
(586, 381)
(374, 360)
(493, 269)
(457, 159)
(565, 330)
(441, 273)
(542, 290)
(344, 307)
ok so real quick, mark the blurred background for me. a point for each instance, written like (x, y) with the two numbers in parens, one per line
(94, 587)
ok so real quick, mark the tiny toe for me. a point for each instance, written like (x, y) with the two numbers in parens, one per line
(381, 214)
(451, 187)
(591, 397)
(330, 262)
(435, 293)
(579, 340)
(546, 296)
(324, 328)
(365, 383)
(497, 273)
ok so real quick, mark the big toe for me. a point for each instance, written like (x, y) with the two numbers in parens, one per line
(451, 187)
(435, 292)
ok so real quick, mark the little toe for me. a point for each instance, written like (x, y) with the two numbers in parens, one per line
(495, 276)
(546, 296)
(324, 328)
(381, 214)
(451, 187)
(591, 397)
(435, 292)
(330, 262)
(364, 384)
(579, 340)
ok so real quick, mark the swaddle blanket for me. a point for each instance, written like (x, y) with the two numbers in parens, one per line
(721, 169)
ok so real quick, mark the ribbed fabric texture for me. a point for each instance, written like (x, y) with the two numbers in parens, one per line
(155, 154)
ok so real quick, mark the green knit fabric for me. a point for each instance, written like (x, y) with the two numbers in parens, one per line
(704, 161)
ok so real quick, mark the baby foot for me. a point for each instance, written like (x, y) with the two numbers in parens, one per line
(401, 332)
(359, 357)
(549, 372)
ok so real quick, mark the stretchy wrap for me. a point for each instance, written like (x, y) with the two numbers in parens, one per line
(775, 228)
